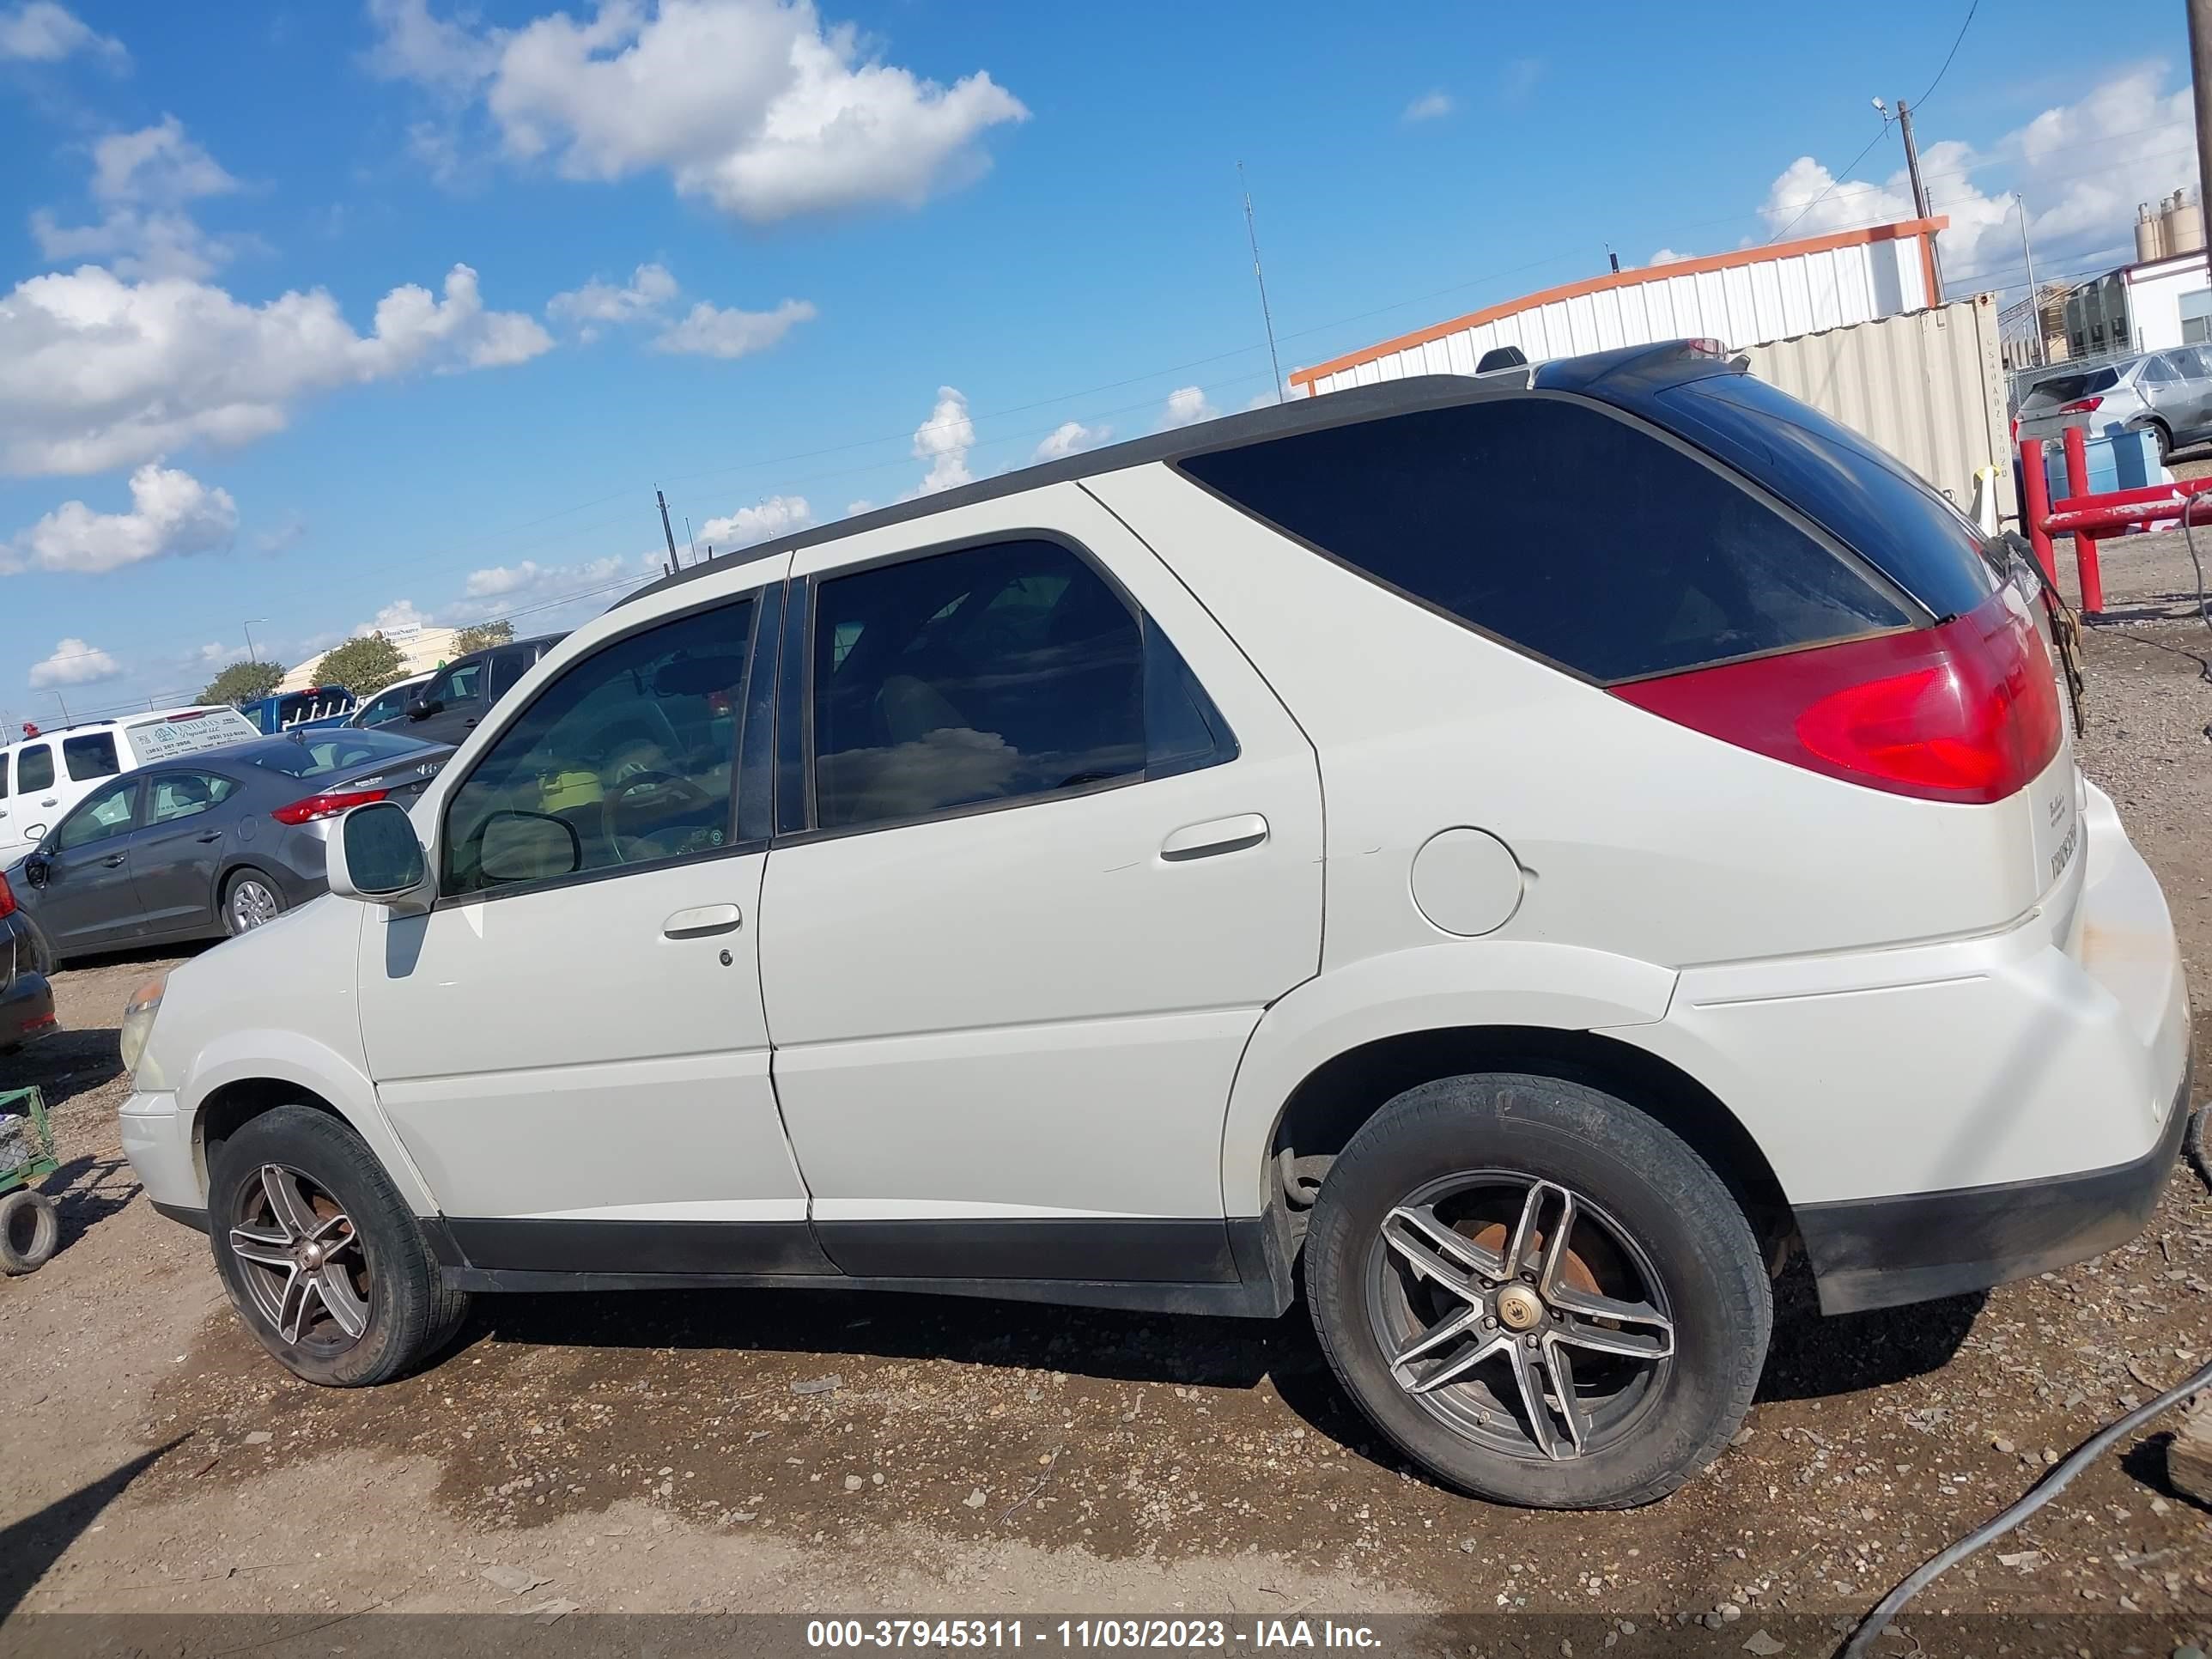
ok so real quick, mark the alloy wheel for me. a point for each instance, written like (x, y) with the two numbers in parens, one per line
(252, 904)
(302, 1261)
(1520, 1314)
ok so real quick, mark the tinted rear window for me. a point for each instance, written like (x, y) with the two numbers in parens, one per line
(90, 756)
(2065, 388)
(1560, 528)
(331, 748)
(1866, 498)
(34, 768)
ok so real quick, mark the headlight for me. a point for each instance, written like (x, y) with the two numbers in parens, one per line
(138, 1019)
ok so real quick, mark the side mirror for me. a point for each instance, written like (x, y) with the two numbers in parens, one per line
(422, 707)
(36, 867)
(529, 846)
(374, 856)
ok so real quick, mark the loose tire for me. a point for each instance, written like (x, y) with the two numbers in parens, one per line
(30, 1231)
(1489, 1248)
(250, 900)
(321, 1256)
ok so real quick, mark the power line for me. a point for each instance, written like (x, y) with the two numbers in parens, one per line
(1975, 6)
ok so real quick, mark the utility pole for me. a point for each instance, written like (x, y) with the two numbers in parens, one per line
(2200, 67)
(250, 656)
(2035, 299)
(65, 713)
(1920, 191)
(1252, 234)
(675, 564)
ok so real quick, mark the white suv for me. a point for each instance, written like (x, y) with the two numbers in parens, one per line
(1532, 852)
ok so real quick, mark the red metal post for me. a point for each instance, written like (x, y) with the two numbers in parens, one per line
(2086, 566)
(2035, 504)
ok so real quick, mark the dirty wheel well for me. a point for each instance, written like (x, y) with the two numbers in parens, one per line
(236, 1105)
(1327, 1109)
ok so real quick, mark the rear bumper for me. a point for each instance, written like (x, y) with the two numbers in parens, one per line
(1881, 1252)
(26, 1011)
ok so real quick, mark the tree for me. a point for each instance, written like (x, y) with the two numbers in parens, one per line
(481, 634)
(242, 683)
(364, 667)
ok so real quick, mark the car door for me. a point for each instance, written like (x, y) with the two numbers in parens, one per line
(39, 798)
(186, 818)
(1052, 846)
(456, 700)
(2161, 390)
(2192, 392)
(85, 899)
(573, 1050)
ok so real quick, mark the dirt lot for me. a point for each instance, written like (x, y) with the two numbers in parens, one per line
(832, 1452)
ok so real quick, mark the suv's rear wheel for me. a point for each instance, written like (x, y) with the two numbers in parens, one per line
(1538, 1292)
(322, 1259)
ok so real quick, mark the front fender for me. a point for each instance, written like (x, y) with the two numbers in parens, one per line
(290, 1057)
(1442, 986)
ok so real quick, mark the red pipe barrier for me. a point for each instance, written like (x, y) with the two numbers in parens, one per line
(2087, 568)
(2035, 506)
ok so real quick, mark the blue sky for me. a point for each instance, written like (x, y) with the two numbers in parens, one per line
(242, 374)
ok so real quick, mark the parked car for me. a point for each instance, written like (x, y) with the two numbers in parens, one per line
(221, 843)
(934, 902)
(389, 706)
(49, 772)
(27, 1000)
(289, 711)
(2167, 392)
(464, 689)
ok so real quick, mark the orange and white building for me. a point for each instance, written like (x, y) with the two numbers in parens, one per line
(1746, 298)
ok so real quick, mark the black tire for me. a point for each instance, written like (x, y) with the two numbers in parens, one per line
(238, 880)
(30, 1231)
(411, 1312)
(2164, 440)
(1632, 1175)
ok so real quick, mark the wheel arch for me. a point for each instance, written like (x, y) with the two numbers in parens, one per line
(256, 1072)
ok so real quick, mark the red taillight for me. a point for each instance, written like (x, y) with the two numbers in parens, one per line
(2081, 406)
(7, 898)
(327, 806)
(1968, 712)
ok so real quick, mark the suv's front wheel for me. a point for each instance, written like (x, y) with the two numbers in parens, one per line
(322, 1258)
(1541, 1294)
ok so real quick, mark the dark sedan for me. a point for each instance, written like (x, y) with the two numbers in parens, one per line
(218, 843)
(27, 1001)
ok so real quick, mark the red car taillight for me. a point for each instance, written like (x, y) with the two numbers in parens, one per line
(2081, 406)
(327, 806)
(7, 899)
(1965, 712)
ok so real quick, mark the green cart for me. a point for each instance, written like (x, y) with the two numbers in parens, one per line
(29, 1227)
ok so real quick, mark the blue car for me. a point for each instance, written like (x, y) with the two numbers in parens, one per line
(297, 711)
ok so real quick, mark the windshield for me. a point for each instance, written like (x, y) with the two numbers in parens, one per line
(316, 754)
(2065, 388)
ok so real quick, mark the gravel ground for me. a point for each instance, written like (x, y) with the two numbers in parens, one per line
(802, 1452)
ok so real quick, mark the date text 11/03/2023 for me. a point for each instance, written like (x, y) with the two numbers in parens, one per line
(1079, 1634)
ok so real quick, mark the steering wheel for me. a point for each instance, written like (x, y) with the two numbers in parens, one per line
(663, 799)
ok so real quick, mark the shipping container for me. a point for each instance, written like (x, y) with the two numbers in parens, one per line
(1739, 299)
(1929, 387)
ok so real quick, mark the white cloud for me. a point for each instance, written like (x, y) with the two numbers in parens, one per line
(540, 595)
(597, 303)
(2137, 133)
(1430, 107)
(710, 331)
(41, 31)
(778, 515)
(171, 513)
(398, 617)
(1071, 438)
(944, 440)
(854, 509)
(1185, 406)
(144, 182)
(97, 372)
(752, 105)
(73, 662)
(1667, 256)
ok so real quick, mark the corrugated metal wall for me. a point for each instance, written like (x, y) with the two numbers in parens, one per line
(1737, 305)
(1929, 387)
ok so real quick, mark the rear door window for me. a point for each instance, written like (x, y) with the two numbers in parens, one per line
(1561, 529)
(34, 768)
(92, 755)
(2065, 388)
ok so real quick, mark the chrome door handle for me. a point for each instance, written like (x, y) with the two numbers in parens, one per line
(701, 920)
(212, 835)
(113, 859)
(1215, 836)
